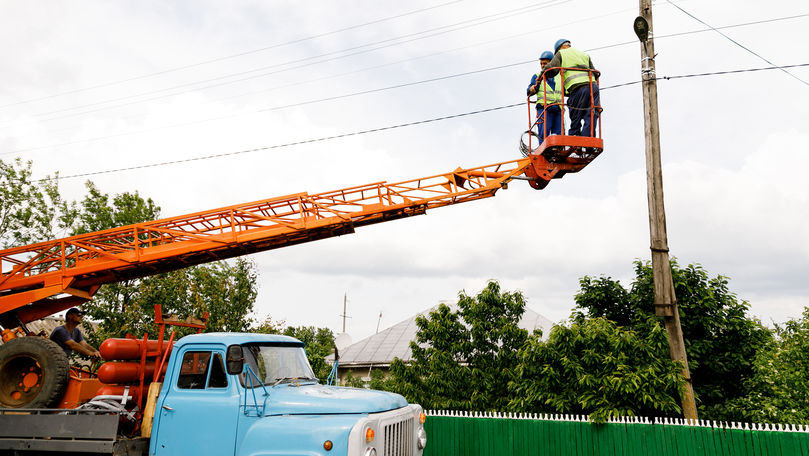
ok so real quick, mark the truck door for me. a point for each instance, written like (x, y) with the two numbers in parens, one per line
(199, 411)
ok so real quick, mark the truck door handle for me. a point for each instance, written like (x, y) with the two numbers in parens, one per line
(166, 407)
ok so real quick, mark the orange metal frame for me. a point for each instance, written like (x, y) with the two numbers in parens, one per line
(81, 387)
(41, 279)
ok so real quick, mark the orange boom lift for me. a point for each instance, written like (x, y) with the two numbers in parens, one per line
(41, 279)
(44, 278)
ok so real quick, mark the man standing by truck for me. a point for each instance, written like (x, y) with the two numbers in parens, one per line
(69, 337)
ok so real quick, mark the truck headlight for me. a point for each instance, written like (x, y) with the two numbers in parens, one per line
(370, 452)
(422, 438)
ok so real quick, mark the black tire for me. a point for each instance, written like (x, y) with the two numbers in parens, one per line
(34, 372)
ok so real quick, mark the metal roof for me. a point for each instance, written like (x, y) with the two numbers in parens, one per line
(236, 338)
(394, 342)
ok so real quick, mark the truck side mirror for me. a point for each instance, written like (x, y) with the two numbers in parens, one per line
(234, 359)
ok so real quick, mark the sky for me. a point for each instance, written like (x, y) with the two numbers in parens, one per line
(93, 86)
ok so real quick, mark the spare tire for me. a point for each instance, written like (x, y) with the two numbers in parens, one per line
(34, 372)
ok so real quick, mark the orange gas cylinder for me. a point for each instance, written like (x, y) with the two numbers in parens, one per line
(122, 372)
(118, 390)
(128, 348)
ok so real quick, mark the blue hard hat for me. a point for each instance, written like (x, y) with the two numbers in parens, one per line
(559, 44)
(547, 55)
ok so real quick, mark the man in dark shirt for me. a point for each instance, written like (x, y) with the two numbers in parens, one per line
(69, 337)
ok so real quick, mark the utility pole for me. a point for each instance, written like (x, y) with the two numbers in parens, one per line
(344, 315)
(665, 301)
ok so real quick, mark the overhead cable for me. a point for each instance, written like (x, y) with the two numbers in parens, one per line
(275, 108)
(304, 65)
(299, 63)
(391, 127)
(232, 56)
(734, 41)
(182, 124)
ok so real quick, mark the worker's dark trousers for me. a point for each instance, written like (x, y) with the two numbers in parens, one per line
(581, 110)
(549, 121)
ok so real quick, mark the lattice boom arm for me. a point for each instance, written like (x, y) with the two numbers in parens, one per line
(78, 265)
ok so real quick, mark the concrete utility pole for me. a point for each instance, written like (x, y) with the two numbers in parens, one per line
(665, 301)
(344, 315)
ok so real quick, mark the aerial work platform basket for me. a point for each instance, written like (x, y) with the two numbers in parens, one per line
(559, 154)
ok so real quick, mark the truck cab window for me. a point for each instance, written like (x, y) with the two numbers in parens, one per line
(275, 364)
(218, 378)
(194, 370)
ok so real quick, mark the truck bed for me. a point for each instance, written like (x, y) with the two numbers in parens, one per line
(65, 431)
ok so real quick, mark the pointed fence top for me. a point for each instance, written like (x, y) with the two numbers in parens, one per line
(625, 420)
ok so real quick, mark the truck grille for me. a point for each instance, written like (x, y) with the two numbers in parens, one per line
(397, 438)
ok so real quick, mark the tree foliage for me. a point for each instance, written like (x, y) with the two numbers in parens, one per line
(464, 359)
(98, 211)
(721, 340)
(596, 368)
(30, 210)
(351, 381)
(780, 383)
(318, 342)
(226, 290)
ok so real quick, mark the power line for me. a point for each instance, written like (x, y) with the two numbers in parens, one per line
(390, 87)
(339, 57)
(275, 108)
(746, 70)
(278, 146)
(397, 86)
(182, 124)
(734, 41)
(711, 29)
(393, 127)
(357, 50)
(232, 56)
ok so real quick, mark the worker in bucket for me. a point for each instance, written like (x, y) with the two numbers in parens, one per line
(68, 336)
(583, 102)
(549, 97)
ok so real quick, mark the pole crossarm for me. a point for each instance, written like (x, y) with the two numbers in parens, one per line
(86, 261)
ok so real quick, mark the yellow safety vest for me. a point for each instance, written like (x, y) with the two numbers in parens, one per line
(572, 58)
(545, 94)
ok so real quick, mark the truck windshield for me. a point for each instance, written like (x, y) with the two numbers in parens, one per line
(274, 364)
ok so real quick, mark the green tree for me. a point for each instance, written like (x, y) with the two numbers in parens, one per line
(779, 387)
(97, 212)
(30, 210)
(354, 382)
(225, 289)
(721, 340)
(464, 359)
(596, 368)
(319, 344)
(378, 380)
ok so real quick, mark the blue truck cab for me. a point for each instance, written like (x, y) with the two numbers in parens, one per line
(255, 394)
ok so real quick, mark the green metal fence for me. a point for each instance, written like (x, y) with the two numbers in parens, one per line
(450, 433)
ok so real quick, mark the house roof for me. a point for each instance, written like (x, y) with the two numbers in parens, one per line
(48, 324)
(394, 342)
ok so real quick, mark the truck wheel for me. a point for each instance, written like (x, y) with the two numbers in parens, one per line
(33, 373)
